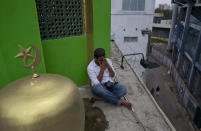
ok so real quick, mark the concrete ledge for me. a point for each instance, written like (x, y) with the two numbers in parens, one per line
(151, 97)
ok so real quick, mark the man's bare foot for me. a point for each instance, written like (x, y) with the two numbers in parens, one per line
(95, 98)
(126, 104)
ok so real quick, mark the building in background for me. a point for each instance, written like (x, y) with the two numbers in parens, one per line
(166, 22)
(161, 31)
(128, 19)
(164, 7)
(158, 17)
(162, 21)
(185, 44)
(161, 27)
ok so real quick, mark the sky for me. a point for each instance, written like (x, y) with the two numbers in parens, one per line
(162, 2)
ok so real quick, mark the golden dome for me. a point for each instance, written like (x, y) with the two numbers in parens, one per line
(47, 103)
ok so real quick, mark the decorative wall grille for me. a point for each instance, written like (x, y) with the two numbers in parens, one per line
(60, 18)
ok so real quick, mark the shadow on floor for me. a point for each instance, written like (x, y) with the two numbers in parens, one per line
(94, 117)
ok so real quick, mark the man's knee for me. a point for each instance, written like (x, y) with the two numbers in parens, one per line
(97, 90)
(124, 90)
(120, 90)
(121, 87)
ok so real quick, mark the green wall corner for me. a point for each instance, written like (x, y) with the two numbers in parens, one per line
(67, 57)
(101, 20)
(18, 25)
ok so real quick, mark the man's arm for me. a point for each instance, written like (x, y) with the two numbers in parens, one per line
(92, 76)
(100, 75)
(102, 69)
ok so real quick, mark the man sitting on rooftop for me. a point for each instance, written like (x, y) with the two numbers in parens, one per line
(102, 74)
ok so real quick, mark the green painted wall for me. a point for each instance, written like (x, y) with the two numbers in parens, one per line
(18, 25)
(3, 75)
(68, 57)
(102, 20)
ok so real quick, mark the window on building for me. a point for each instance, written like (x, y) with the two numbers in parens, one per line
(133, 5)
(130, 39)
(60, 18)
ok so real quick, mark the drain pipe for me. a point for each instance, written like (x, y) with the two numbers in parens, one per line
(172, 29)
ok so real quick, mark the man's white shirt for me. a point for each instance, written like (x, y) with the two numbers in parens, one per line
(93, 71)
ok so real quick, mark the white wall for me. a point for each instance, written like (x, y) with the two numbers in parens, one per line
(116, 6)
(130, 24)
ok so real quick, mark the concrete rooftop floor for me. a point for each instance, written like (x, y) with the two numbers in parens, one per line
(145, 108)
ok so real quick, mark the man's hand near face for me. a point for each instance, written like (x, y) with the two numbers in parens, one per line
(106, 63)
(109, 68)
(102, 69)
(103, 65)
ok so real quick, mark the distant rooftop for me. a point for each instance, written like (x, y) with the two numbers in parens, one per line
(165, 26)
(158, 14)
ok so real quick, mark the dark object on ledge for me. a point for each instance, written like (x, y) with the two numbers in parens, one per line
(110, 84)
(145, 63)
